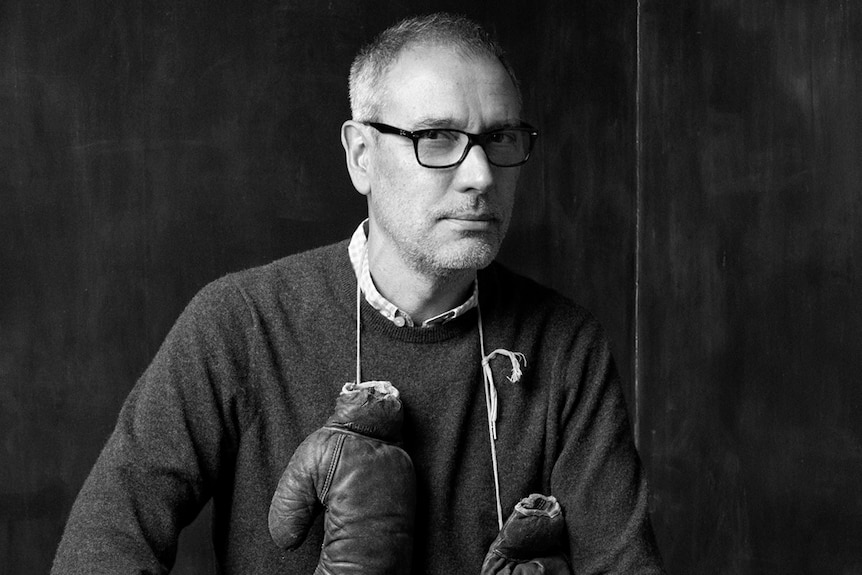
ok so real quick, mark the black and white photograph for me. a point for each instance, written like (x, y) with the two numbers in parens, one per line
(419, 287)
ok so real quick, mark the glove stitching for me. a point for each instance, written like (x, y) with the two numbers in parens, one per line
(336, 456)
(345, 431)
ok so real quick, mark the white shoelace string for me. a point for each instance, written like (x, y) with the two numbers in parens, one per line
(358, 329)
(516, 360)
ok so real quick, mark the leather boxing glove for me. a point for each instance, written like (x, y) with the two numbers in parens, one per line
(354, 468)
(531, 541)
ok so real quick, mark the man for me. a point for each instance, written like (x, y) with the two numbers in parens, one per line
(255, 362)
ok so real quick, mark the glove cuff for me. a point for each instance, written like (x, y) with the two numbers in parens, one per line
(535, 529)
(370, 408)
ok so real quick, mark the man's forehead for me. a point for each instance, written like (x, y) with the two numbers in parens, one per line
(439, 85)
(443, 58)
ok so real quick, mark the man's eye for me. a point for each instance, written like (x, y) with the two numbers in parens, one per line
(439, 135)
(504, 138)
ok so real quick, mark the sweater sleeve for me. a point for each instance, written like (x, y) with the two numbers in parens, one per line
(175, 434)
(597, 475)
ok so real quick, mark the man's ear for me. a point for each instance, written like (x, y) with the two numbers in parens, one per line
(357, 151)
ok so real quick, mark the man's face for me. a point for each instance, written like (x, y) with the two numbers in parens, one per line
(439, 221)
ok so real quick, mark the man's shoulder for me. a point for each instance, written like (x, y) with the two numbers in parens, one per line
(296, 276)
(528, 304)
(294, 271)
(518, 290)
(311, 262)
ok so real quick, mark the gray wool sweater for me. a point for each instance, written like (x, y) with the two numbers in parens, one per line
(254, 364)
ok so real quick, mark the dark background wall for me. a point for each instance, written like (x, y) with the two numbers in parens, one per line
(750, 316)
(695, 186)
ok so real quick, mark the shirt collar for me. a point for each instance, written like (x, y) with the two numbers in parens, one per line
(357, 249)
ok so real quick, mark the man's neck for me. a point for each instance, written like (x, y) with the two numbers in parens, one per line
(421, 295)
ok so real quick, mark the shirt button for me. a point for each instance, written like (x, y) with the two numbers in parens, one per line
(399, 321)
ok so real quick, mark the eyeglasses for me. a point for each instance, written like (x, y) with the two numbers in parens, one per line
(447, 147)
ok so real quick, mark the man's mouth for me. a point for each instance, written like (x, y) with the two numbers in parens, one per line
(472, 221)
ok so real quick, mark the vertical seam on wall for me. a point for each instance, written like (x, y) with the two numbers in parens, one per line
(638, 196)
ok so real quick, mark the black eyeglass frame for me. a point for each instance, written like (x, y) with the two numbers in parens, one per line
(472, 140)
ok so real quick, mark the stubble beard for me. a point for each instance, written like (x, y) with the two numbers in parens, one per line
(471, 252)
(442, 256)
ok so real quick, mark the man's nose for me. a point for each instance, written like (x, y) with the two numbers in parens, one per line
(475, 172)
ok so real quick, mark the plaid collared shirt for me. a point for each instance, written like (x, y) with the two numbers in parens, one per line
(358, 252)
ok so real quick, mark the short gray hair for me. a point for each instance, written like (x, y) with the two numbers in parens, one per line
(367, 73)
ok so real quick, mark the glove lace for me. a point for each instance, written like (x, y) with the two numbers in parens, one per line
(516, 359)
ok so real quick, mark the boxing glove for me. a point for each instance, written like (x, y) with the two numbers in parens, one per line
(354, 469)
(531, 541)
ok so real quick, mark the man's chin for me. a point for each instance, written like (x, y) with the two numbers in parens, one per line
(470, 254)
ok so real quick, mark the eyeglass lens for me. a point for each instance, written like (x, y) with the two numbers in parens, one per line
(446, 147)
